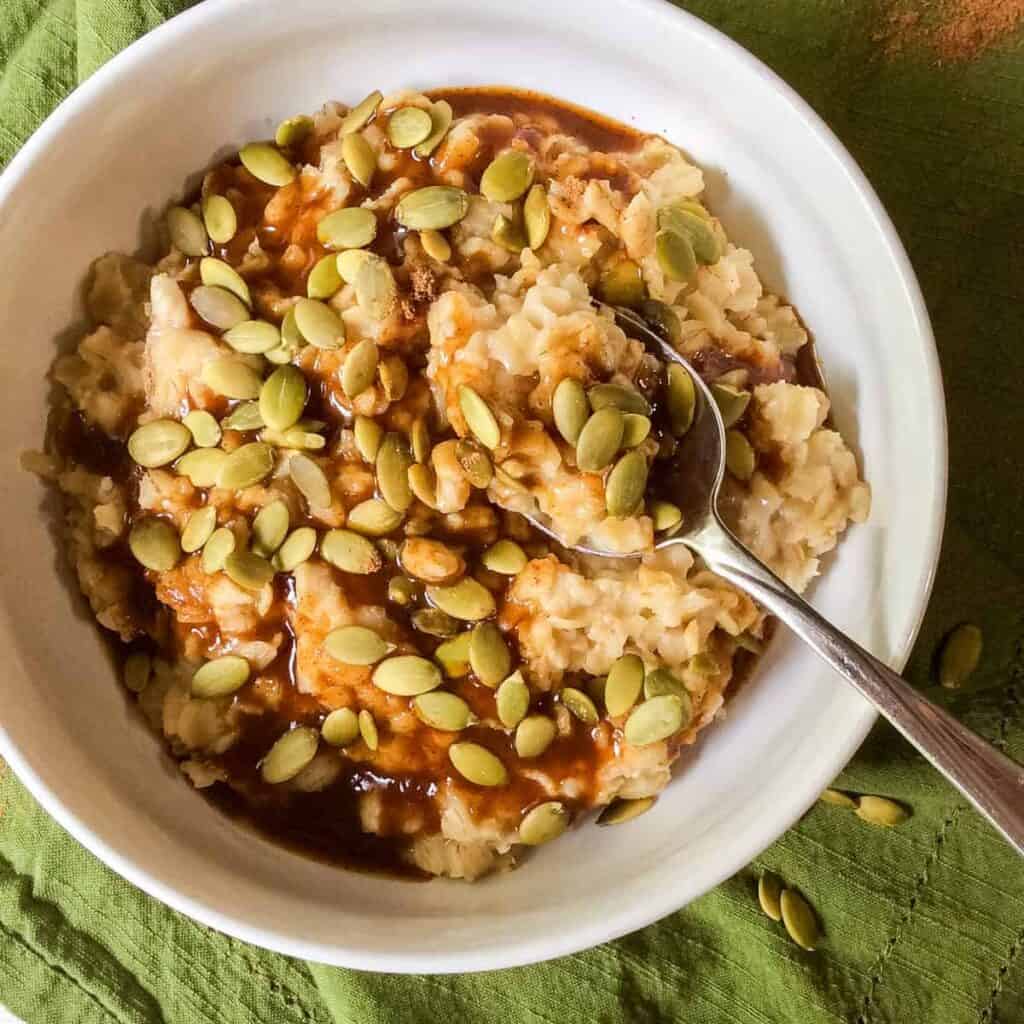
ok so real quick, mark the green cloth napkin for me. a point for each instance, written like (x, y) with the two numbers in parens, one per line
(923, 923)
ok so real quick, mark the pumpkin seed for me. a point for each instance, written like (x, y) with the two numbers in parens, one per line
(675, 255)
(283, 397)
(359, 116)
(220, 677)
(626, 484)
(622, 284)
(138, 668)
(440, 122)
(536, 217)
(732, 403)
(368, 435)
(406, 675)
(433, 207)
(360, 367)
(441, 710)
(534, 735)
(349, 262)
(198, 529)
(961, 652)
(291, 336)
(622, 398)
(249, 570)
(663, 319)
(158, 442)
(453, 655)
(154, 543)
(311, 481)
(599, 440)
(297, 548)
(479, 418)
(394, 378)
(244, 417)
(749, 642)
(267, 164)
(359, 157)
(635, 429)
(769, 893)
(877, 810)
(324, 279)
(654, 720)
(215, 273)
(489, 656)
(581, 706)
(253, 337)
(505, 557)
(435, 622)
(477, 764)
(508, 234)
(474, 463)
(205, 430)
(217, 549)
(294, 437)
(507, 177)
(681, 398)
(838, 798)
(661, 682)
(376, 291)
(279, 355)
(246, 466)
(293, 130)
(624, 684)
(350, 552)
(695, 229)
(512, 700)
(570, 409)
(665, 515)
(319, 324)
(403, 591)
(231, 379)
(356, 645)
(340, 727)
(368, 729)
(436, 246)
(468, 600)
(374, 518)
(270, 527)
(543, 823)
(739, 455)
(620, 811)
(220, 219)
(352, 227)
(408, 127)
(423, 484)
(289, 755)
(393, 462)
(799, 919)
(188, 234)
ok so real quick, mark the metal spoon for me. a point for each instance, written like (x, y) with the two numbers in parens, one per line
(991, 782)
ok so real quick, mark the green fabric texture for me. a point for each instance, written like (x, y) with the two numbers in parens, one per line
(922, 923)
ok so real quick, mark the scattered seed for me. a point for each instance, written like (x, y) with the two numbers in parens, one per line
(283, 397)
(512, 700)
(403, 591)
(423, 484)
(359, 157)
(434, 622)
(434, 207)
(507, 177)
(406, 675)
(769, 894)
(376, 291)
(440, 122)
(663, 319)
(220, 219)
(570, 409)
(232, 378)
(622, 284)
(359, 116)
(419, 437)
(340, 727)
(621, 811)
(249, 570)
(215, 273)
(675, 255)
(205, 430)
(220, 677)
(158, 443)
(453, 656)
(246, 466)
(394, 378)
(298, 547)
(368, 435)
(441, 710)
(311, 481)
(244, 417)
(626, 484)
(267, 164)
(436, 246)
(324, 279)
(635, 429)
(352, 227)
(479, 418)
(877, 810)
(373, 518)
(368, 729)
(489, 656)
(534, 735)
(217, 549)
(350, 552)
(660, 682)
(356, 645)
(509, 234)
(961, 652)
(187, 231)
(838, 798)
(665, 515)
(505, 557)
(732, 403)
(695, 229)
(799, 919)
(198, 529)
(543, 823)
(654, 720)
(474, 462)
(360, 368)
(468, 600)
(536, 217)
(294, 437)
(581, 706)
(477, 764)
(624, 684)
(599, 440)
(154, 543)
(289, 755)
(408, 127)
(319, 324)
(739, 455)
(393, 462)
(681, 398)
(270, 527)
(293, 130)
(622, 398)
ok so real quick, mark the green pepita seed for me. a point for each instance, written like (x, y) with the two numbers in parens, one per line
(198, 529)
(534, 735)
(403, 591)
(489, 656)
(739, 455)
(961, 652)
(376, 291)
(695, 229)
(246, 466)
(356, 645)
(635, 429)
(267, 164)
(732, 403)
(663, 319)
(419, 436)
(877, 810)
(220, 677)
(349, 262)
(838, 798)
(477, 764)
(441, 710)
(622, 284)
(291, 336)
(536, 217)
(324, 279)
(215, 273)
(406, 675)
(799, 919)
(622, 398)
(359, 116)
(368, 436)
(423, 484)
(293, 130)
(453, 656)
(217, 549)
(154, 543)
(626, 484)
(283, 397)
(681, 398)
(311, 481)
(624, 684)
(479, 418)
(289, 755)
(434, 207)
(297, 548)
(440, 122)
(435, 622)
(512, 700)
(675, 255)
(158, 442)
(600, 440)
(295, 437)
(244, 417)
(138, 668)
(393, 462)
(436, 246)
(660, 682)
(581, 706)
(340, 727)
(505, 557)
(509, 234)
(350, 552)
(359, 157)
(394, 377)
(249, 570)
(368, 729)
(352, 227)
(749, 642)
(319, 324)
(543, 823)
(270, 527)
(654, 720)
(205, 430)
(468, 600)
(769, 894)
(374, 518)
(474, 462)
(570, 409)
(231, 378)
(620, 811)
(188, 234)
(220, 219)
(253, 337)
(507, 177)
(408, 127)
(665, 515)
(360, 366)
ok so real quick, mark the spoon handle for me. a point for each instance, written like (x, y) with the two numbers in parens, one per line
(989, 779)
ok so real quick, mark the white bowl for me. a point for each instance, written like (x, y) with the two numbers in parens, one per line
(226, 72)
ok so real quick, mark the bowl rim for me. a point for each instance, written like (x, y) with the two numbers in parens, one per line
(548, 946)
